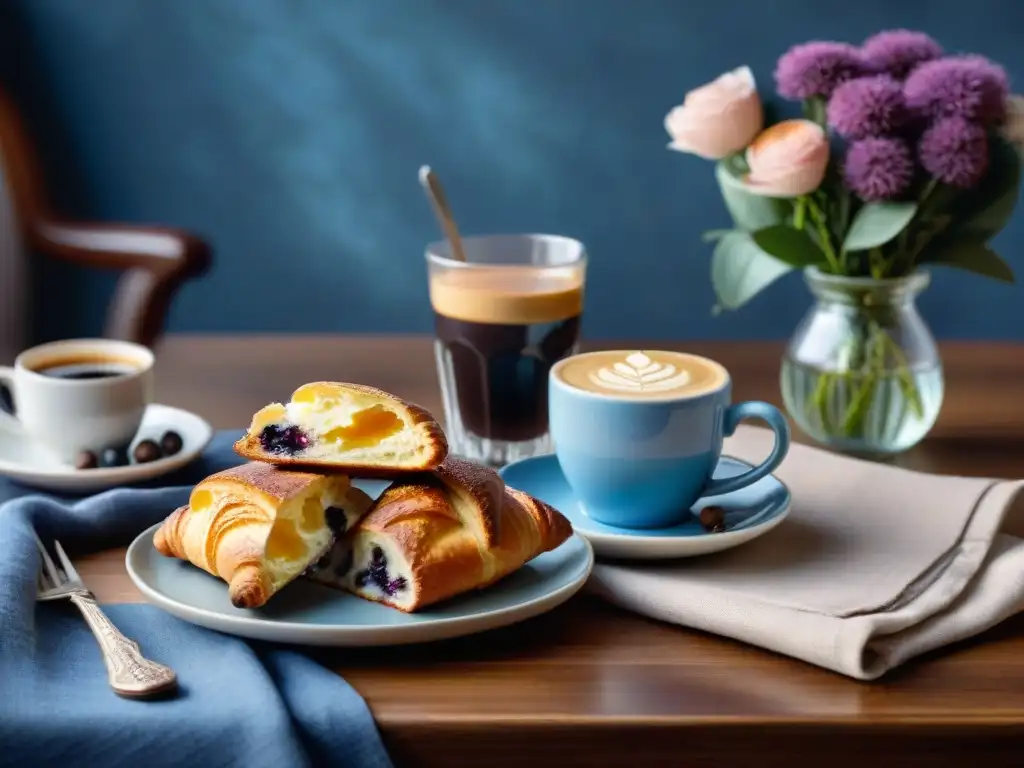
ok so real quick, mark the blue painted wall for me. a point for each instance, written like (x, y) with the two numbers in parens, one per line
(289, 132)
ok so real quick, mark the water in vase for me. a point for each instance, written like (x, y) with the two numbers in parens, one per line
(874, 413)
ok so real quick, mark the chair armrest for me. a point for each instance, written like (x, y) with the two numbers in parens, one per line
(156, 261)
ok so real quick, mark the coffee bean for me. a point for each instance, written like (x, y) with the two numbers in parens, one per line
(86, 460)
(114, 457)
(170, 443)
(713, 519)
(146, 451)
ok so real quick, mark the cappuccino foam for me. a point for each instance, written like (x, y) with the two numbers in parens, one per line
(642, 374)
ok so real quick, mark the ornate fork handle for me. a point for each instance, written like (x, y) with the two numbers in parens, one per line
(130, 673)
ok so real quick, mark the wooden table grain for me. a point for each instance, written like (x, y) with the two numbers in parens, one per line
(592, 685)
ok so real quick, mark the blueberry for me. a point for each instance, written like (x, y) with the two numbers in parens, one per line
(396, 585)
(86, 460)
(361, 578)
(381, 578)
(146, 451)
(336, 520)
(270, 436)
(170, 443)
(378, 556)
(277, 439)
(114, 457)
(295, 439)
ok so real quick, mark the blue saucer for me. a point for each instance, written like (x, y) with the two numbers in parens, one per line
(749, 513)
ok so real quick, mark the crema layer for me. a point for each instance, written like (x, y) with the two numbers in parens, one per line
(518, 295)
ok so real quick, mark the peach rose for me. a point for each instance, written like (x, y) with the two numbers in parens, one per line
(718, 118)
(787, 160)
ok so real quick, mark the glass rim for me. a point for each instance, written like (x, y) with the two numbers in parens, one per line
(817, 275)
(433, 252)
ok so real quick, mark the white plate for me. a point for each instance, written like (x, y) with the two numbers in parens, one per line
(26, 463)
(304, 613)
(749, 513)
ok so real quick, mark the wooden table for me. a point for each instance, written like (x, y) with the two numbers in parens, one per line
(591, 685)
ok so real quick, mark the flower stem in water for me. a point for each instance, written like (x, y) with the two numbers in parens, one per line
(851, 393)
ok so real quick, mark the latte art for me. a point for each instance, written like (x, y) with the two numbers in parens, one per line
(642, 374)
(638, 373)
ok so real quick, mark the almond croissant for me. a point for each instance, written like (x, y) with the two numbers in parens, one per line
(258, 527)
(436, 535)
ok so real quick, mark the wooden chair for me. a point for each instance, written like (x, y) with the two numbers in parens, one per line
(155, 261)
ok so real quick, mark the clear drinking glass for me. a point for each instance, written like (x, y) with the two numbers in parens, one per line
(502, 318)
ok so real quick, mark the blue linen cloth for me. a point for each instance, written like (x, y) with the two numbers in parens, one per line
(239, 703)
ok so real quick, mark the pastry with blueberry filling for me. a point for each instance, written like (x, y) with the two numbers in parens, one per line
(258, 527)
(432, 536)
(358, 429)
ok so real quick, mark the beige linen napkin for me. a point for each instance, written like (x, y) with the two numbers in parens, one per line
(874, 565)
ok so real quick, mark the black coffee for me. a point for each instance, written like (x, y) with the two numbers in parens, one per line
(500, 372)
(85, 370)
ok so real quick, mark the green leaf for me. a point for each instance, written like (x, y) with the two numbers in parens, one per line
(985, 209)
(877, 223)
(749, 211)
(714, 234)
(792, 246)
(973, 256)
(740, 270)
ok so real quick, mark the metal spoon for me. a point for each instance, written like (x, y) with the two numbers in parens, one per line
(435, 194)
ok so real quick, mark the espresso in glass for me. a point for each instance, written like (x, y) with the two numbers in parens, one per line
(502, 318)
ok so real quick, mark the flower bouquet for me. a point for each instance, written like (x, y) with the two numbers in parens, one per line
(905, 158)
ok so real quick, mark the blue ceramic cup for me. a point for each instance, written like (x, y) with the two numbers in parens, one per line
(638, 434)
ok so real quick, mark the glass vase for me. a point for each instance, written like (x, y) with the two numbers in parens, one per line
(862, 373)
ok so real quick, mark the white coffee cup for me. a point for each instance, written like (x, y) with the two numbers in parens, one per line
(79, 395)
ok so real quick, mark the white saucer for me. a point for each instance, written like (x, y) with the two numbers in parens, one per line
(26, 463)
(749, 513)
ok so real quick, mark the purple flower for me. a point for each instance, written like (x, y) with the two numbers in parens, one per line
(815, 69)
(898, 51)
(971, 87)
(868, 106)
(955, 152)
(878, 168)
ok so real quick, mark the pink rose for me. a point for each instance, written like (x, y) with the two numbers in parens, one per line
(787, 160)
(718, 118)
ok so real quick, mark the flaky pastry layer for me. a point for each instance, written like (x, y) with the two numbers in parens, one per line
(258, 527)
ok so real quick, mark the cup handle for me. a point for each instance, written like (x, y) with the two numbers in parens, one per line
(8, 421)
(772, 416)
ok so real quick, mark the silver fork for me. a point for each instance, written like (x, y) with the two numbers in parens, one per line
(129, 672)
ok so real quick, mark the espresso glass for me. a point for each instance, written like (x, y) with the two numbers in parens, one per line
(502, 318)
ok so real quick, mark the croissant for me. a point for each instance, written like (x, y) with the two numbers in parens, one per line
(360, 430)
(258, 527)
(436, 535)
